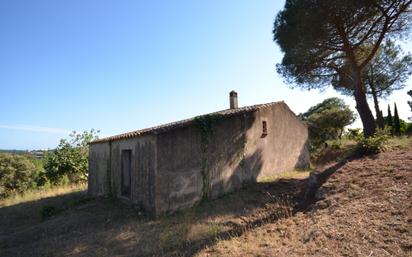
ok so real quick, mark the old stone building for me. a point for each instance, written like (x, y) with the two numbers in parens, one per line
(173, 166)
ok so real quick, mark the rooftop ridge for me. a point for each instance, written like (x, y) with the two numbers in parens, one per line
(181, 123)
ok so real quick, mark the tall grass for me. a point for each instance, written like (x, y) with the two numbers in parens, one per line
(36, 194)
(401, 142)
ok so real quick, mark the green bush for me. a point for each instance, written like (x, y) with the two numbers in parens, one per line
(336, 144)
(18, 173)
(68, 163)
(353, 133)
(374, 144)
(406, 128)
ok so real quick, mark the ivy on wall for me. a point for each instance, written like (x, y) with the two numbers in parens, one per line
(205, 125)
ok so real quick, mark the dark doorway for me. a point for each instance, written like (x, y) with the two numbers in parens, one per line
(126, 172)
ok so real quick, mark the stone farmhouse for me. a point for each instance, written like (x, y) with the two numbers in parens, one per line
(173, 166)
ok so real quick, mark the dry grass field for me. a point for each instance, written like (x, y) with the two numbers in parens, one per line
(35, 195)
(363, 209)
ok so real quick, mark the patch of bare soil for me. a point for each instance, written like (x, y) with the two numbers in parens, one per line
(363, 209)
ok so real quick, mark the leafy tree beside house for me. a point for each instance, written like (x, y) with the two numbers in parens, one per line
(327, 120)
(68, 163)
(326, 41)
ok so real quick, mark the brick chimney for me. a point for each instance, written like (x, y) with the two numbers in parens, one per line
(233, 100)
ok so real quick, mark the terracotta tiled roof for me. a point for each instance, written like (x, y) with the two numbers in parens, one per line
(182, 123)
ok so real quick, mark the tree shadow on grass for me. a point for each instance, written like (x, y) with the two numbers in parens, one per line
(109, 227)
(277, 200)
(286, 197)
(28, 213)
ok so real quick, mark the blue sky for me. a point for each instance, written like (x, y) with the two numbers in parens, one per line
(119, 66)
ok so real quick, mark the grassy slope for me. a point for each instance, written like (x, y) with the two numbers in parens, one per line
(363, 210)
(35, 195)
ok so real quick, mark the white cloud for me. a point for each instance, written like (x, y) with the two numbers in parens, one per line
(35, 129)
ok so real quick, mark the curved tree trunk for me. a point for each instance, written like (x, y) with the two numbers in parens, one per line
(365, 113)
(368, 121)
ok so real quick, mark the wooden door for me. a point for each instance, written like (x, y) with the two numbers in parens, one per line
(126, 172)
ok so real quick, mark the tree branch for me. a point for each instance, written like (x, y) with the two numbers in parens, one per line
(386, 27)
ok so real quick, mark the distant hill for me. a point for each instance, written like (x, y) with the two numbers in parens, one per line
(35, 153)
(14, 151)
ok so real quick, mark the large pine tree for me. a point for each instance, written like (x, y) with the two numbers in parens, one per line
(329, 41)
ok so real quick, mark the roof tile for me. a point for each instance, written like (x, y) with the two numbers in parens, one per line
(181, 123)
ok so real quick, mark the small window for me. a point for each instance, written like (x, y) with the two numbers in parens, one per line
(264, 128)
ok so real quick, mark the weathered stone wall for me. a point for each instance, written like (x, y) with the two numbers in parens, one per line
(200, 162)
(226, 154)
(178, 180)
(143, 169)
(105, 159)
(99, 162)
(194, 164)
(284, 148)
(175, 169)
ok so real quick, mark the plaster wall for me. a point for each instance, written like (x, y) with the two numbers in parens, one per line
(174, 169)
(99, 162)
(105, 169)
(284, 148)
